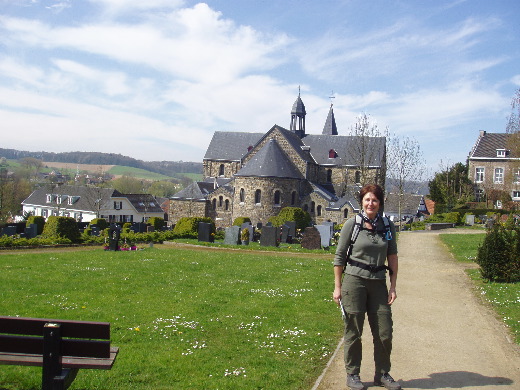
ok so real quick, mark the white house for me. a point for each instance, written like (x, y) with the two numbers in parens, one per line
(86, 203)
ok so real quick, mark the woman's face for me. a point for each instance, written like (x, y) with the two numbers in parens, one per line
(370, 205)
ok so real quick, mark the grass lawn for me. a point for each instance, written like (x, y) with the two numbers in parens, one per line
(183, 318)
(503, 297)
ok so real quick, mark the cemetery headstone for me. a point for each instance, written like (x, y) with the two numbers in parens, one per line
(9, 231)
(311, 238)
(326, 232)
(114, 234)
(292, 228)
(204, 232)
(31, 231)
(232, 235)
(285, 234)
(269, 236)
(470, 220)
(150, 229)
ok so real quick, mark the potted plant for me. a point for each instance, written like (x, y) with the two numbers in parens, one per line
(244, 236)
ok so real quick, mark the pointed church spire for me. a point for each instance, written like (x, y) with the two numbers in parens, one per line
(298, 116)
(330, 124)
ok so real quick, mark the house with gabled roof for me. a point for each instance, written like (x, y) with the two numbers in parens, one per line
(494, 169)
(87, 203)
(255, 175)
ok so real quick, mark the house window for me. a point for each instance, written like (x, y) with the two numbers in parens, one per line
(318, 211)
(479, 195)
(358, 177)
(277, 197)
(242, 195)
(293, 198)
(498, 204)
(227, 204)
(499, 175)
(221, 170)
(119, 205)
(516, 176)
(49, 198)
(501, 152)
(479, 175)
(516, 195)
(329, 175)
(258, 196)
(332, 153)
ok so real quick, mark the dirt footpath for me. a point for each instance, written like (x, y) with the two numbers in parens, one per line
(444, 336)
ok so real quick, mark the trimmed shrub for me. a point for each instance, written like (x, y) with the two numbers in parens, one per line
(37, 220)
(499, 254)
(240, 220)
(302, 218)
(65, 227)
(101, 223)
(187, 227)
(156, 222)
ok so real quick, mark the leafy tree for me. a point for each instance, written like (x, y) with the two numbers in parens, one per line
(129, 185)
(13, 190)
(163, 188)
(296, 214)
(451, 185)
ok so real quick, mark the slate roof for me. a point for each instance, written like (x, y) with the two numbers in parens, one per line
(230, 146)
(143, 203)
(330, 127)
(345, 148)
(487, 145)
(409, 205)
(201, 189)
(83, 198)
(298, 107)
(270, 161)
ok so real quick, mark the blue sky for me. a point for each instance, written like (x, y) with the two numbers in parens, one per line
(154, 79)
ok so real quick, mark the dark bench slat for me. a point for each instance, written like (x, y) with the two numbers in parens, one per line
(21, 359)
(34, 326)
(75, 347)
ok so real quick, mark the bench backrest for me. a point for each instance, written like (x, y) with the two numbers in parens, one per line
(79, 338)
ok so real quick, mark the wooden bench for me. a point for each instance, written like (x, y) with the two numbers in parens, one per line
(60, 347)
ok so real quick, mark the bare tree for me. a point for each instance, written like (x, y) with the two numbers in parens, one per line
(406, 166)
(367, 152)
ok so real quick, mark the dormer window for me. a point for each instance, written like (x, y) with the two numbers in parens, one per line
(332, 153)
(49, 198)
(501, 153)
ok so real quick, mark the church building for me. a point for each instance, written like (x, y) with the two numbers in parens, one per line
(255, 175)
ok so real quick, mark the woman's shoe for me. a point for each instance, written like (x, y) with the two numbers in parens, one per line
(354, 382)
(387, 381)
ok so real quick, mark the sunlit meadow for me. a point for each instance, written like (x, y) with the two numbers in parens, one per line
(183, 319)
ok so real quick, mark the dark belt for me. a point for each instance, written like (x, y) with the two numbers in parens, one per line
(369, 267)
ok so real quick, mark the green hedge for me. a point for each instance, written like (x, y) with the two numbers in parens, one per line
(240, 220)
(156, 222)
(101, 223)
(187, 227)
(37, 220)
(65, 227)
(296, 214)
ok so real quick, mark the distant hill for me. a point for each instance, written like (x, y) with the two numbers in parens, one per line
(168, 168)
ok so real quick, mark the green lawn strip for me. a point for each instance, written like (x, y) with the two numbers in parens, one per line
(183, 319)
(137, 172)
(504, 298)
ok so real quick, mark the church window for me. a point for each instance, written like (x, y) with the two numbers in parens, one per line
(227, 204)
(332, 153)
(345, 213)
(221, 170)
(258, 196)
(277, 197)
(242, 195)
(220, 200)
(318, 211)
(358, 177)
(312, 207)
(293, 198)
(329, 175)
(214, 203)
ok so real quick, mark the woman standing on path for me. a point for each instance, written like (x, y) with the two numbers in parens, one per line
(363, 288)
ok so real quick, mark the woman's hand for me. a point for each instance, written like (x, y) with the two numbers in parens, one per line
(337, 295)
(392, 295)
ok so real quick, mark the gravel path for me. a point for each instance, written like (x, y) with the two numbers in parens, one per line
(444, 336)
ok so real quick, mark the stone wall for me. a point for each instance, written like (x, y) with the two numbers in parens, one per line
(212, 168)
(186, 208)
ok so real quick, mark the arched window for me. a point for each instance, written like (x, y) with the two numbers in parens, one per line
(277, 197)
(293, 198)
(258, 196)
(332, 153)
(242, 195)
(345, 213)
(318, 211)
(329, 175)
(214, 203)
(221, 170)
(312, 207)
(220, 200)
(227, 204)
(358, 177)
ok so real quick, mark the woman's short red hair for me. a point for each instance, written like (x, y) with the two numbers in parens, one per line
(376, 190)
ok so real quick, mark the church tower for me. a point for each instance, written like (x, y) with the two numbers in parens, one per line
(298, 117)
(330, 127)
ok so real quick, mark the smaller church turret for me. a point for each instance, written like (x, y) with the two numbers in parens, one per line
(298, 117)
(330, 127)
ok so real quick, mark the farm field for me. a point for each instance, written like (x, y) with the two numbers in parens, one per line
(183, 318)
